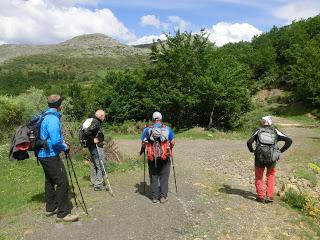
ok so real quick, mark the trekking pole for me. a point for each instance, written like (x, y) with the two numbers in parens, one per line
(75, 176)
(143, 150)
(144, 171)
(174, 172)
(106, 180)
(72, 186)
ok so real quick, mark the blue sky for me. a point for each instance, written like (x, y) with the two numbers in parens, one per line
(140, 21)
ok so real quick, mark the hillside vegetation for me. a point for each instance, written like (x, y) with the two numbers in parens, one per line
(187, 78)
(51, 67)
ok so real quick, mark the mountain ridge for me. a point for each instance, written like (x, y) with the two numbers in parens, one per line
(88, 45)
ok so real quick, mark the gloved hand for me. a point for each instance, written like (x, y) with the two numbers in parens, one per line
(68, 147)
(143, 149)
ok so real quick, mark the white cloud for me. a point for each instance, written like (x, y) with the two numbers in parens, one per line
(179, 23)
(40, 21)
(175, 22)
(74, 2)
(296, 10)
(223, 32)
(148, 39)
(151, 20)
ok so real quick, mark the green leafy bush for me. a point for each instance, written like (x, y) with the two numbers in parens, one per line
(295, 199)
(18, 110)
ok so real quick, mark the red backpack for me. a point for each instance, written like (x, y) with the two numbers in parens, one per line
(158, 143)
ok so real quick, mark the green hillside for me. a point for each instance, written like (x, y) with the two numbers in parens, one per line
(76, 60)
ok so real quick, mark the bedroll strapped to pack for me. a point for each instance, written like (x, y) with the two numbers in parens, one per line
(83, 132)
(27, 138)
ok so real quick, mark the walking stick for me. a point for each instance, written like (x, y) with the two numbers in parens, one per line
(75, 176)
(174, 172)
(72, 186)
(144, 171)
(106, 180)
(143, 150)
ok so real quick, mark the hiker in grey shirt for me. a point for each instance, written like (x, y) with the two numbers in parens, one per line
(95, 142)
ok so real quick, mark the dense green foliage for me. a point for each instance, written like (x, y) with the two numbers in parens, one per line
(18, 110)
(187, 80)
(286, 57)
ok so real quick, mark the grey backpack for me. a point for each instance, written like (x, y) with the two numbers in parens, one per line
(267, 151)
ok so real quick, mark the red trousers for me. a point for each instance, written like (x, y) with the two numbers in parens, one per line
(271, 172)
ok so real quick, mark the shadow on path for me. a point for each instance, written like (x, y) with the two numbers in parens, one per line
(38, 198)
(143, 189)
(314, 138)
(235, 191)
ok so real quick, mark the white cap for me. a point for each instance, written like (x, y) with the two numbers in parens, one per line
(157, 116)
(267, 120)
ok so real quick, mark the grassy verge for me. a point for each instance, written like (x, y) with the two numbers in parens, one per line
(307, 174)
(200, 133)
(22, 182)
(300, 202)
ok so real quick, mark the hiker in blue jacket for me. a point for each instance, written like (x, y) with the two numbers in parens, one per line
(56, 180)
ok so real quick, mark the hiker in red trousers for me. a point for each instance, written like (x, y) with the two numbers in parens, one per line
(266, 155)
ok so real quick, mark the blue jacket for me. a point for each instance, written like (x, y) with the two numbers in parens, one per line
(144, 134)
(50, 130)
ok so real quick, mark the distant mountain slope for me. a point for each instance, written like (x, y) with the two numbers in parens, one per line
(90, 45)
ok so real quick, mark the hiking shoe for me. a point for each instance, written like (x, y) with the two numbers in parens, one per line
(269, 200)
(163, 199)
(99, 188)
(68, 218)
(49, 214)
(261, 200)
(155, 200)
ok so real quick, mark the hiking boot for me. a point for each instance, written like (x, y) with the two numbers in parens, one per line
(261, 200)
(49, 214)
(99, 188)
(155, 200)
(269, 200)
(68, 218)
(163, 199)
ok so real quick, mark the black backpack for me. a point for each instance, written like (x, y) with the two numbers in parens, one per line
(267, 151)
(34, 127)
(27, 138)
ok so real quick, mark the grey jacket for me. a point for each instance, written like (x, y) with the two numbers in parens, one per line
(20, 137)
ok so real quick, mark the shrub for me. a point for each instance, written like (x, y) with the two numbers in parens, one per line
(295, 199)
(312, 206)
(128, 127)
(18, 110)
(250, 121)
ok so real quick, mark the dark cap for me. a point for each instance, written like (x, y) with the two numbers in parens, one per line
(54, 101)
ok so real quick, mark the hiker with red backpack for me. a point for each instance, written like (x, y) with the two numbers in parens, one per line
(266, 155)
(158, 139)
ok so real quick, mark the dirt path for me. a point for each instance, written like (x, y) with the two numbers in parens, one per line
(215, 200)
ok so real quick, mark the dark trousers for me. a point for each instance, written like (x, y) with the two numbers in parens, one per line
(56, 186)
(159, 172)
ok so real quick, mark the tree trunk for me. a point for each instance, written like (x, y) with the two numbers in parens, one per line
(210, 120)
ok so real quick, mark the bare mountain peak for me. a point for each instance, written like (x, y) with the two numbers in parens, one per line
(91, 39)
